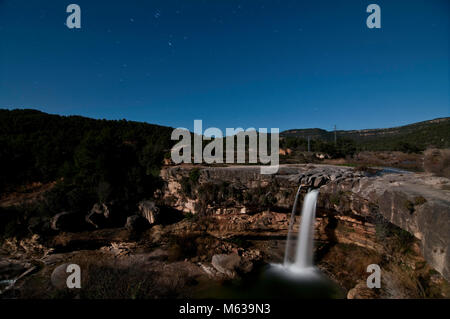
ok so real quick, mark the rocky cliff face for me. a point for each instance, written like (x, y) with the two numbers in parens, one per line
(354, 207)
(208, 225)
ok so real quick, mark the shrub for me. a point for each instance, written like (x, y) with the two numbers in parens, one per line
(419, 200)
(437, 162)
(335, 198)
(408, 147)
(409, 206)
(194, 175)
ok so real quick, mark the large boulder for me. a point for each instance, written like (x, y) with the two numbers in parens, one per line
(226, 264)
(361, 291)
(67, 221)
(99, 215)
(59, 276)
(149, 211)
(136, 223)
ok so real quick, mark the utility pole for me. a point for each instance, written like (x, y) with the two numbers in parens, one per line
(335, 137)
(309, 148)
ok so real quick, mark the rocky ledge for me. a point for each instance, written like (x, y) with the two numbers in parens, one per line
(243, 200)
(210, 225)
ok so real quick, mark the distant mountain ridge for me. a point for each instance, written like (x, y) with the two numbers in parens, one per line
(434, 132)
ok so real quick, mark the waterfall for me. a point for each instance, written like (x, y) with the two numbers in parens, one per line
(305, 241)
(289, 242)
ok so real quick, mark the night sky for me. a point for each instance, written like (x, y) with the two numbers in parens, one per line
(284, 64)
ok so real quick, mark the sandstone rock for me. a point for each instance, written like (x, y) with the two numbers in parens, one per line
(343, 191)
(319, 181)
(98, 215)
(119, 249)
(158, 254)
(67, 221)
(361, 291)
(226, 264)
(333, 177)
(136, 223)
(149, 211)
(156, 233)
(210, 271)
(59, 276)
(10, 268)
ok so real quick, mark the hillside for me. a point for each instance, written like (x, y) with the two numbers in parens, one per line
(95, 160)
(432, 133)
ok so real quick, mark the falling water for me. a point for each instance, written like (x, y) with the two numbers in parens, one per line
(304, 253)
(298, 276)
(304, 256)
(289, 242)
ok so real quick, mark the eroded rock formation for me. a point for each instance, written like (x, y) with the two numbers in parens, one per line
(244, 201)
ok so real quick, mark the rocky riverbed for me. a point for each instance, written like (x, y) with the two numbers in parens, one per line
(208, 226)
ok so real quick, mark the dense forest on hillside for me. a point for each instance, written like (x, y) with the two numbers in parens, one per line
(411, 138)
(92, 160)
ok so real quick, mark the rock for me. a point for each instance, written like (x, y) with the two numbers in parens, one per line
(67, 221)
(158, 254)
(149, 211)
(136, 223)
(388, 193)
(333, 177)
(98, 215)
(311, 179)
(246, 266)
(27, 247)
(319, 181)
(361, 291)
(226, 264)
(210, 271)
(59, 277)
(10, 268)
(120, 249)
(39, 225)
(156, 233)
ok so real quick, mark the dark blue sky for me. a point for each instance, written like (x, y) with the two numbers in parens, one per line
(286, 64)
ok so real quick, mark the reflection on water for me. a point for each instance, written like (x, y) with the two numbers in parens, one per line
(277, 281)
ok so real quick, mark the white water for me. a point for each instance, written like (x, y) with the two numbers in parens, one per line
(305, 241)
(289, 242)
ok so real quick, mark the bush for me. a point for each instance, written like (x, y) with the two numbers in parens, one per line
(419, 200)
(406, 147)
(194, 175)
(437, 162)
(409, 206)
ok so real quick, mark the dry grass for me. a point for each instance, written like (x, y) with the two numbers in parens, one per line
(349, 263)
(437, 162)
(26, 194)
(407, 161)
